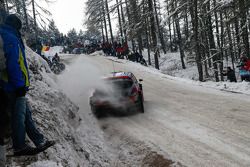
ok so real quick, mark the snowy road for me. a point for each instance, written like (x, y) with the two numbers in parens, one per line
(189, 124)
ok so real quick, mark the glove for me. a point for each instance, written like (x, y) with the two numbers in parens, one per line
(21, 92)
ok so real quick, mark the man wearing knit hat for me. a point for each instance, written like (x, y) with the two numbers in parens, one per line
(15, 83)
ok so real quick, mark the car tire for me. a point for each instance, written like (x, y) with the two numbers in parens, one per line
(98, 115)
(141, 93)
(95, 112)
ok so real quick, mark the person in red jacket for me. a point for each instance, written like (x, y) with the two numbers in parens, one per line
(244, 68)
(247, 65)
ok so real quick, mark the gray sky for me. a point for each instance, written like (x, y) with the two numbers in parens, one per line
(68, 14)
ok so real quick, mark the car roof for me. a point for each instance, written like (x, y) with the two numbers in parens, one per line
(120, 75)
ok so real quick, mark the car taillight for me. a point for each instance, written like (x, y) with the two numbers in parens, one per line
(97, 102)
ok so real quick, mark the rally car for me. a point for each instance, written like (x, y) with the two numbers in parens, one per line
(123, 93)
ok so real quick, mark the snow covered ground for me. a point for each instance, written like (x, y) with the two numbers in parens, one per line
(185, 122)
(170, 64)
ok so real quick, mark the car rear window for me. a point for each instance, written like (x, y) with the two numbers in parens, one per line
(122, 83)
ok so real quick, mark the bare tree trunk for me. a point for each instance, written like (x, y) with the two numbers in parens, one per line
(244, 31)
(205, 50)
(212, 43)
(160, 33)
(17, 5)
(25, 14)
(237, 33)
(146, 22)
(218, 39)
(204, 39)
(34, 17)
(234, 42)
(153, 33)
(205, 53)
(129, 21)
(148, 45)
(194, 15)
(136, 20)
(175, 37)
(103, 36)
(222, 42)
(123, 22)
(119, 19)
(182, 54)
(204, 47)
(169, 28)
(186, 25)
(230, 40)
(180, 43)
(105, 22)
(110, 26)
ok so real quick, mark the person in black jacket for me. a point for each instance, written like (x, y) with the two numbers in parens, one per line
(230, 74)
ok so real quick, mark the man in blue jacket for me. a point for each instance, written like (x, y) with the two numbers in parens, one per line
(15, 83)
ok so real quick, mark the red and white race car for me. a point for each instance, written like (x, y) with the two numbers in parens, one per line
(123, 93)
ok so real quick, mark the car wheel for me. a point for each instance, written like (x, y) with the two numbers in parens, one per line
(95, 112)
(141, 93)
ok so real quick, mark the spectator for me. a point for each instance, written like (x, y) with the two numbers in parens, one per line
(242, 63)
(15, 86)
(244, 68)
(56, 58)
(230, 74)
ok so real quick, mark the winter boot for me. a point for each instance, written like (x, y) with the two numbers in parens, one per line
(27, 150)
(45, 145)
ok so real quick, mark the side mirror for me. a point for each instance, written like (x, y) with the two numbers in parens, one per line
(140, 80)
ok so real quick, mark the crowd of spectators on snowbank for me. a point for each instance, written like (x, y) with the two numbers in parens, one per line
(121, 51)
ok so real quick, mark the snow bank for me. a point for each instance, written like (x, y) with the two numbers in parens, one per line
(59, 119)
(45, 164)
(170, 64)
